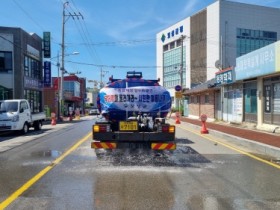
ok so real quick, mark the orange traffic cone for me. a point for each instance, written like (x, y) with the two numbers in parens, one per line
(203, 128)
(177, 118)
(53, 121)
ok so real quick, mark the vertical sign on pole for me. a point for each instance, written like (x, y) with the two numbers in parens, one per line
(47, 44)
(47, 74)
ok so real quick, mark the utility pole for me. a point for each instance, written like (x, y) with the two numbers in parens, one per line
(101, 76)
(63, 50)
(58, 95)
(181, 69)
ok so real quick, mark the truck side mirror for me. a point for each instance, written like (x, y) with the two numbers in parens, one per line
(21, 110)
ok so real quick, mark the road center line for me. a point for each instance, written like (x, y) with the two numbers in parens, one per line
(231, 147)
(39, 175)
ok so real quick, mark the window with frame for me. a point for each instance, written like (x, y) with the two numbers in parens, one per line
(172, 45)
(165, 47)
(34, 98)
(250, 100)
(23, 105)
(6, 61)
(276, 98)
(172, 62)
(249, 40)
(32, 68)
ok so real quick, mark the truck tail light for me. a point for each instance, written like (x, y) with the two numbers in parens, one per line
(168, 129)
(171, 129)
(101, 128)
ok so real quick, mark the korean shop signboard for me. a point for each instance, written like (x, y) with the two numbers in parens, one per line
(47, 44)
(261, 62)
(224, 77)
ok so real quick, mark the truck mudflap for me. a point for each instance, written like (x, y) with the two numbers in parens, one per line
(103, 145)
(163, 146)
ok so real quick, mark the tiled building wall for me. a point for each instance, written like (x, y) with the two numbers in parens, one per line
(208, 108)
(49, 99)
(198, 106)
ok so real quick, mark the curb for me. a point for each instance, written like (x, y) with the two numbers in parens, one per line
(247, 145)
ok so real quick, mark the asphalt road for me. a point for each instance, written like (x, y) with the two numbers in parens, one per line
(59, 170)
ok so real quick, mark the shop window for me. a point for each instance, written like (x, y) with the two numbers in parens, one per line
(251, 101)
(276, 98)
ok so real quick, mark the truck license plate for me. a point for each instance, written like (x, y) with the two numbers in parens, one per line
(128, 126)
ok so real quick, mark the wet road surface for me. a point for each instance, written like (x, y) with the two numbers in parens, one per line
(199, 174)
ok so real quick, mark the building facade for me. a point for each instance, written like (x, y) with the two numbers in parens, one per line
(74, 95)
(260, 73)
(191, 51)
(21, 70)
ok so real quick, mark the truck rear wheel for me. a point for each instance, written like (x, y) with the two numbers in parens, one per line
(38, 126)
(25, 128)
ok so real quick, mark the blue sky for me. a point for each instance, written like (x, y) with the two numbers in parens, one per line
(117, 35)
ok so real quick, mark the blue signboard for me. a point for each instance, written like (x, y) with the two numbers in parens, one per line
(257, 63)
(224, 77)
(47, 44)
(172, 33)
(47, 74)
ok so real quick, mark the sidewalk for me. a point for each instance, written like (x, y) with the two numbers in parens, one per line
(6, 143)
(237, 130)
(266, 143)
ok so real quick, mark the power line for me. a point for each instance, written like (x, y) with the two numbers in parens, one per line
(86, 37)
(27, 14)
(123, 43)
(113, 66)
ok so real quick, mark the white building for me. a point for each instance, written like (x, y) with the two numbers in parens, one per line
(212, 39)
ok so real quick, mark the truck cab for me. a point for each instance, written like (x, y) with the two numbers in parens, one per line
(15, 115)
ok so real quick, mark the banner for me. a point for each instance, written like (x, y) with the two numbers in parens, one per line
(135, 99)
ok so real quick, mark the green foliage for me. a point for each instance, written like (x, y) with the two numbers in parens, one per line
(89, 105)
(176, 109)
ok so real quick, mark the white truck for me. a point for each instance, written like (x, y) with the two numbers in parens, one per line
(15, 115)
